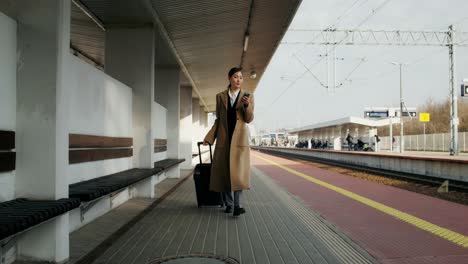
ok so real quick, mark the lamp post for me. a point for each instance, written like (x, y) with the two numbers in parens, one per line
(401, 105)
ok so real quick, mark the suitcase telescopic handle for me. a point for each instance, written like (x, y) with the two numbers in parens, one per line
(199, 152)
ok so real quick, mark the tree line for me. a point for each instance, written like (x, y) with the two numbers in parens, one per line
(439, 119)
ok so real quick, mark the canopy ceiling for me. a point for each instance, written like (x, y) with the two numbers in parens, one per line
(207, 36)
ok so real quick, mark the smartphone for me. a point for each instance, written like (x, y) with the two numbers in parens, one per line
(246, 94)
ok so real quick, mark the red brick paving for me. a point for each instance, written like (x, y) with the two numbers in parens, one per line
(388, 239)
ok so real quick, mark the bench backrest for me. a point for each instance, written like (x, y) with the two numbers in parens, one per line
(160, 145)
(7, 155)
(85, 148)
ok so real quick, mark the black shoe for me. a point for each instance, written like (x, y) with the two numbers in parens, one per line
(238, 211)
(228, 210)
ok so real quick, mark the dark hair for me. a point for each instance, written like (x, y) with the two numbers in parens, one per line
(232, 71)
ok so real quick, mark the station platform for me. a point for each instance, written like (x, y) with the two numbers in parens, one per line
(296, 213)
(391, 224)
(428, 154)
(277, 228)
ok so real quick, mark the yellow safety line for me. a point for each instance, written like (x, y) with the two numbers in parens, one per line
(444, 233)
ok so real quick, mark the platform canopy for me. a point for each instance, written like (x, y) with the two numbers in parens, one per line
(343, 124)
(206, 36)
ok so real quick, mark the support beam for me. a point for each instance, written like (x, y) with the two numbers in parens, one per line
(375, 37)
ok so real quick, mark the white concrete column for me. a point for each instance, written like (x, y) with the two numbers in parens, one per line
(8, 31)
(336, 142)
(197, 133)
(43, 46)
(203, 122)
(372, 133)
(338, 139)
(203, 118)
(130, 59)
(167, 94)
(186, 128)
(145, 188)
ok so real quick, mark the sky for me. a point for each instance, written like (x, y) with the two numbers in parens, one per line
(288, 96)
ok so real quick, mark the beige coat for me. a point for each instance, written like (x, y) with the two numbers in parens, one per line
(230, 170)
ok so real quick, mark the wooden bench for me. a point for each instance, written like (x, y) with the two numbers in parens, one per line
(160, 145)
(20, 214)
(167, 163)
(93, 189)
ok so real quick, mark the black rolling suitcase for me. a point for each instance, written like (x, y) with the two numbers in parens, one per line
(201, 176)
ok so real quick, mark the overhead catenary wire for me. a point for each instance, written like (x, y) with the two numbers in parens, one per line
(332, 25)
(373, 12)
(310, 71)
(344, 14)
(287, 88)
(331, 28)
(416, 61)
(352, 71)
(410, 41)
(457, 22)
(420, 59)
(337, 20)
(292, 83)
(366, 19)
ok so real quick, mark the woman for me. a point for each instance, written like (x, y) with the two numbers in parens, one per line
(230, 170)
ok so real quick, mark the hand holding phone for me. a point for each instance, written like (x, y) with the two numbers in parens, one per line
(245, 99)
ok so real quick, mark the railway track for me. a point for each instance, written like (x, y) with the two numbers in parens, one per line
(454, 185)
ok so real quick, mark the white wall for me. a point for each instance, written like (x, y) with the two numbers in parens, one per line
(99, 208)
(7, 94)
(101, 106)
(132, 62)
(159, 127)
(186, 128)
(7, 73)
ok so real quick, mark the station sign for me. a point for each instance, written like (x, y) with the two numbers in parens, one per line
(385, 112)
(409, 113)
(375, 114)
(464, 88)
(424, 117)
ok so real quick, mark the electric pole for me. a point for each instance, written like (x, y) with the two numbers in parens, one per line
(453, 94)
